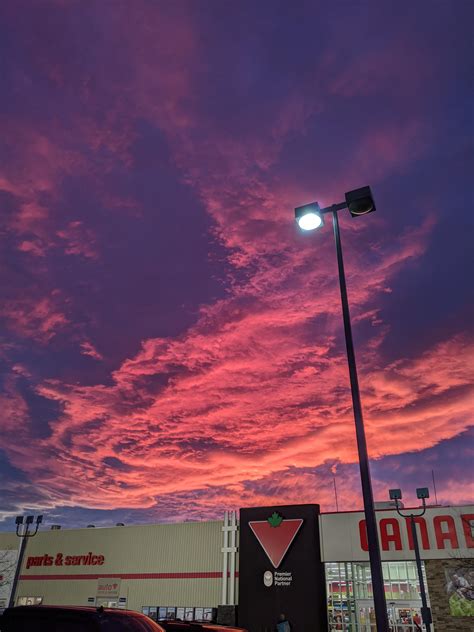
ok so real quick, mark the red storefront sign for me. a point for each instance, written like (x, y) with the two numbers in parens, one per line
(59, 559)
(444, 527)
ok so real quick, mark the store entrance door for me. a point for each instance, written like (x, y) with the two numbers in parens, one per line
(402, 616)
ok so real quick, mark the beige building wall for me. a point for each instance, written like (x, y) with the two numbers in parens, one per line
(9, 542)
(191, 548)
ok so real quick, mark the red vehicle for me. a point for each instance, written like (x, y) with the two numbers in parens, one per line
(74, 619)
(182, 626)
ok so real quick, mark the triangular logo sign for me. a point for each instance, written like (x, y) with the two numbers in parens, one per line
(275, 536)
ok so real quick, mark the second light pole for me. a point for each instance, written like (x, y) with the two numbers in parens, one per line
(422, 493)
(309, 217)
(23, 532)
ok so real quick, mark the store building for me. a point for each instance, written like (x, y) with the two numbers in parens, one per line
(295, 556)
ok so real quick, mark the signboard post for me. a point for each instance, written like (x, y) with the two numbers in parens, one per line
(280, 569)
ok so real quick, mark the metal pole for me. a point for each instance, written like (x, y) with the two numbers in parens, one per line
(225, 551)
(335, 492)
(434, 486)
(232, 558)
(425, 611)
(381, 616)
(19, 563)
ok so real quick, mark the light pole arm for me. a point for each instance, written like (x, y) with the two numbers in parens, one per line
(30, 534)
(410, 515)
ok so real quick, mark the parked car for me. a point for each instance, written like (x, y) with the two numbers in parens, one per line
(182, 626)
(74, 619)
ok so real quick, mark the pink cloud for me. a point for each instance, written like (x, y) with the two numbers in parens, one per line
(88, 349)
(36, 318)
(79, 240)
(34, 247)
(251, 396)
(239, 403)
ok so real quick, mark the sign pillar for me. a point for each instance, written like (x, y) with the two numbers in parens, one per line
(280, 569)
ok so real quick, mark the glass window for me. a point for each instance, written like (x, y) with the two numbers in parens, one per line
(412, 574)
(349, 595)
(391, 571)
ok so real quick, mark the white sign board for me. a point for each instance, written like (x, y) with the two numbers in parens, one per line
(443, 533)
(109, 587)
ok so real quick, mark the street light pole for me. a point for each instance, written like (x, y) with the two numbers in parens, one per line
(422, 493)
(310, 217)
(367, 494)
(23, 532)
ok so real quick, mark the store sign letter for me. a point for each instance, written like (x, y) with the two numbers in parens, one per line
(65, 560)
(444, 530)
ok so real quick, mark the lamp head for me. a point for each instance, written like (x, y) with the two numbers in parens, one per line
(39, 519)
(360, 201)
(29, 519)
(19, 520)
(422, 492)
(309, 216)
(395, 494)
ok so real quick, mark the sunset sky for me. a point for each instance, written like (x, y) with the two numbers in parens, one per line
(171, 345)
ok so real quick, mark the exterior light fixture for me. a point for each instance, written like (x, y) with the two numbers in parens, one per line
(309, 216)
(395, 494)
(422, 493)
(360, 201)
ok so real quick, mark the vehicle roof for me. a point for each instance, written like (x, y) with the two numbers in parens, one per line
(198, 625)
(81, 609)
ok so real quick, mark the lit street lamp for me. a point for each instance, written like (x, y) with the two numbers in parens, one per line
(23, 532)
(309, 217)
(423, 494)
